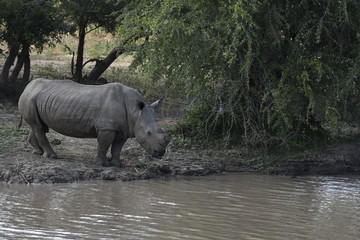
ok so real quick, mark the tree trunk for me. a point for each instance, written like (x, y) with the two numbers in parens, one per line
(26, 74)
(19, 63)
(80, 51)
(4, 76)
(17, 68)
(102, 65)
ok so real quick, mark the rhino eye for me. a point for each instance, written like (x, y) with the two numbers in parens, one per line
(148, 133)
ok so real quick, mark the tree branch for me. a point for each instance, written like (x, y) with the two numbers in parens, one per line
(92, 29)
(102, 65)
(92, 60)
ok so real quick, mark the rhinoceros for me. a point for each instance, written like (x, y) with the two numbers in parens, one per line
(112, 113)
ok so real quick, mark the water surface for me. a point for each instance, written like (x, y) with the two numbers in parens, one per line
(236, 206)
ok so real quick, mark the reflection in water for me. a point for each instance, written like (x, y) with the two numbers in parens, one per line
(217, 207)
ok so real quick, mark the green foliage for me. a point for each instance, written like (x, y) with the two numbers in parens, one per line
(93, 13)
(264, 72)
(30, 22)
(11, 136)
(130, 78)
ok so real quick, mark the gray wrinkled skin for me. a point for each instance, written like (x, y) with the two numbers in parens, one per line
(112, 113)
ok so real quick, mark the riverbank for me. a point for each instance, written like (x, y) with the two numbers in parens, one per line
(76, 160)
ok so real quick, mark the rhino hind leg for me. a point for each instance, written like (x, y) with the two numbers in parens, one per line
(37, 137)
(34, 142)
(105, 139)
(44, 144)
(115, 152)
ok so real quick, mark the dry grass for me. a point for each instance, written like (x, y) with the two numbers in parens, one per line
(97, 45)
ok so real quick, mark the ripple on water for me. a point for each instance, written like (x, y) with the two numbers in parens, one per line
(236, 206)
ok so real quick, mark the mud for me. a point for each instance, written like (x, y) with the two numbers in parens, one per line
(76, 160)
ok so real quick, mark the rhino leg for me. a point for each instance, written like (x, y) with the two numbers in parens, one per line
(105, 139)
(34, 142)
(44, 143)
(115, 152)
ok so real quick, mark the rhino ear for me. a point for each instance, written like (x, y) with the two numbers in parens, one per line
(157, 103)
(140, 104)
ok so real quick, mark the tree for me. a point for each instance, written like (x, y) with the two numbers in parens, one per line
(128, 39)
(88, 16)
(26, 24)
(259, 71)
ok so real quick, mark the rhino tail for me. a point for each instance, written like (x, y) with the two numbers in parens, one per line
(20, 123)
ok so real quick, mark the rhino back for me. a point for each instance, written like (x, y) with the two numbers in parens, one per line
(81, 110)
(69, 108)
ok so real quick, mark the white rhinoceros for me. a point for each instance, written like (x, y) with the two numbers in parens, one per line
(112, 113)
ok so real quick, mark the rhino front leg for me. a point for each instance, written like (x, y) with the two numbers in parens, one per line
(105, 139)
(115, 152)
(34, 142)
(44, 143)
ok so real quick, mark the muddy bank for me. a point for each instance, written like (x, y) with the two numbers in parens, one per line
(76, 160)
(76, 163)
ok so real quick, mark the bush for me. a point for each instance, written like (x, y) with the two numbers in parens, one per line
(260, 71)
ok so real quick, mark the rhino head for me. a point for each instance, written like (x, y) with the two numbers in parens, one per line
(147, 132)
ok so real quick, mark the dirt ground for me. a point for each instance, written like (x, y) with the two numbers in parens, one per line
(76, 160)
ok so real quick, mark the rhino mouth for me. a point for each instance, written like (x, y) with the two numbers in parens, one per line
(158, 153)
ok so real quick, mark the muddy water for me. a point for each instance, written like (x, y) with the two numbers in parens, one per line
(216, 207)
